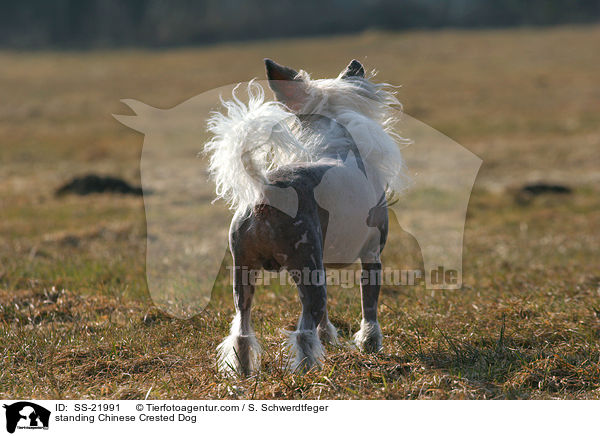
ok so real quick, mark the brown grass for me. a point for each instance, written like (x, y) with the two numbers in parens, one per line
(76, 320)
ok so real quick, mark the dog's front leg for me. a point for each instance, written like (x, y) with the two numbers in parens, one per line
(368, 338)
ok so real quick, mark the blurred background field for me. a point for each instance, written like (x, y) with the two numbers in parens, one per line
(76, 320)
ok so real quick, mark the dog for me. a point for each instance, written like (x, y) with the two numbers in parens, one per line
(309, 178)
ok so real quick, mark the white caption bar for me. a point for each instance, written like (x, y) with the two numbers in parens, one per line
(23, 417)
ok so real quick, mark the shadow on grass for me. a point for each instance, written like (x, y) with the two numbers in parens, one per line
(503, 369)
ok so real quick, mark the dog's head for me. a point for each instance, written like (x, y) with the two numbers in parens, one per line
(351, 90)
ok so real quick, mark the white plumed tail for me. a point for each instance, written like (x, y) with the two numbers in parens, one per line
(248, 141)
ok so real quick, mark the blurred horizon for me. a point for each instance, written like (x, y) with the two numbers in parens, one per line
(85, 24)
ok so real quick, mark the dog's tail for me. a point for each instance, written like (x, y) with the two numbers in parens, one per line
(249, 140)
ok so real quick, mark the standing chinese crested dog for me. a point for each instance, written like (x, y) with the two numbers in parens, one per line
(308, 177)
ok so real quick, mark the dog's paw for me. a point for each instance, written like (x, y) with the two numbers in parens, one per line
(239, 355)
(368, 338)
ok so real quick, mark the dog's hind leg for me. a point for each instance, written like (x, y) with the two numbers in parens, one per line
(304, 344)
(368, 338)
(240, 351)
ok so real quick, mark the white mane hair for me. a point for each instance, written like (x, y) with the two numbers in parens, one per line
(369, 111)
(252, 139)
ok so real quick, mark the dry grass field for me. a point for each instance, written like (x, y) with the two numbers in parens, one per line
(76, 320)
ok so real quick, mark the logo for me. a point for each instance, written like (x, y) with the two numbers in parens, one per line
(187, 232)
(26, 415)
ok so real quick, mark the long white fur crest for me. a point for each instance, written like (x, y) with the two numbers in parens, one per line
(252, 139)
(368, 111)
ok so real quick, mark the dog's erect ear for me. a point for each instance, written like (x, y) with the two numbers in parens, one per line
(354, 69)
(279, 72)
(287, 86)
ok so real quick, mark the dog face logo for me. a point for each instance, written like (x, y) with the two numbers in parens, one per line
(26, 415)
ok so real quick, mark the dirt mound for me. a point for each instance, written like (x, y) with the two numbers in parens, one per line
(95, 184)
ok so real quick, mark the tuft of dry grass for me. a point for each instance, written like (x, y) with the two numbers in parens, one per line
(76, 319)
